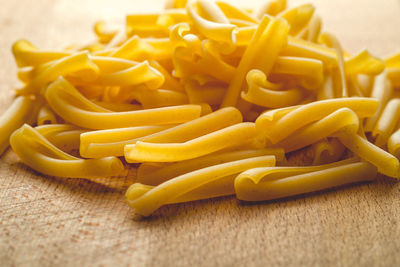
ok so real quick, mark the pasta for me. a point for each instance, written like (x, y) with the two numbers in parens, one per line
(205, 99)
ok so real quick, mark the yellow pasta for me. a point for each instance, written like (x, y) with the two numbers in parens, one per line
(249, 187)
(151, 200)
(21, 111)
(238, 134)
(205, 98)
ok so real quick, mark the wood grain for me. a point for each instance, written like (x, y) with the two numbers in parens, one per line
(47, 221)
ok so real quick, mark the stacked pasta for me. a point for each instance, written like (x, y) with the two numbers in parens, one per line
(210, 100)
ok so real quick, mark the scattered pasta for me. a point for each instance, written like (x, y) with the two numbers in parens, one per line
(206, 99)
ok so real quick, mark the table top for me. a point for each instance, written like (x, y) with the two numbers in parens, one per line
(51, 221)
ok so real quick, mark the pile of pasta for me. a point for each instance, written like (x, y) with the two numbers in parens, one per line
(206, 99)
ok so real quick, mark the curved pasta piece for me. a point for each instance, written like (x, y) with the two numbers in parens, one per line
(54, 162)
(249, 188)
(298, 17)
(327, 151)
(301, 48)
(381, 91)
(272, 8)
(393, 144)
(26, 54)
(150, 174)
(327, 90)
(170, 83)
(104, 34)
(181, 133)
(280, 128)
(45, 116)
(233, 12)
(145, 25)
(312, 31)
(153, 199)
(64, 136)
(387, 122)
(219, 30)
(259, 95)
(79, 62)
(309, 69)
(386, 163)
(343, 119)
(157, 152)
(364, 63)
(270, 37)
(103, 120)
(340, 75)
(22, 110)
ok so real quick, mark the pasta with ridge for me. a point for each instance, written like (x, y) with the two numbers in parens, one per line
(207, 99)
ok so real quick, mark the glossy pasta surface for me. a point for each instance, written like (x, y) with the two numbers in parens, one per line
(206, 99)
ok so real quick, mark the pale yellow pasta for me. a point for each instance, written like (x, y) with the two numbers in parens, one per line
(270, 37)
(233, 12)
(155, 174)
(386, 163)
(237, 134)
(364, 63)
(150, 201)
(298, 17)
(45, 116)
(381, 91)
(327, 91)
(251, 189)
(280, 128)
(26, 54)
(387, 122)
(343, 119)
(103, 32)
(145, 25)
(49, 160)
(216, 26)
(394, 144)
(312, 31)
(64, 136)
(393, 69)
(117, 106)
(21, 111)
(258, 92)
(273, 8)
(331, 41)
(180, 133)
(103, 120)
(79, 62)
(365, 82)
(327, 151)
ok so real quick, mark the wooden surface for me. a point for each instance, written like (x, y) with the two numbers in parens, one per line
(46, 221)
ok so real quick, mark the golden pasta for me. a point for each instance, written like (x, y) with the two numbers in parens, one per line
(206, 99)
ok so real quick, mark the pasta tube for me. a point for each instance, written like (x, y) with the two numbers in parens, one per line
(150, 201)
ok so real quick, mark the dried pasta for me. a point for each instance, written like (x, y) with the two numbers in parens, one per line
(206, 99)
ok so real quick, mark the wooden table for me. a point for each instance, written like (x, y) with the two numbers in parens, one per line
(50, 221)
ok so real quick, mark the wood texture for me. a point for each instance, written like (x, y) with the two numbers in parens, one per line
(46, 221)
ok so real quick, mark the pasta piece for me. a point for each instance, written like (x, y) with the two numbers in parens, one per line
(79, 62)
(249, 187)
(151, 200)
(175, 4)
(26, 54)
(238, 134)
(21, 111)
(327, 91)
(386, 163)
(257, 92)
(209, 94)
(52, 161)
(342, 119)
(104, 34)
(159, 98)
(393, 144)
(272, 7)
(281, 127)
(216, 26)
(381, 91)
(233, 12)
(312, 31)
(151, 174)
(327, 151)
(298, 17)
(331, 41)
(104, 120)
(387, 122)
(364, 63)
(270, 37)
(180, 133)
(64, 136)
